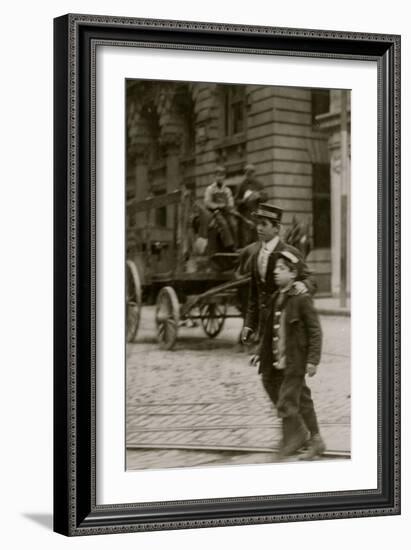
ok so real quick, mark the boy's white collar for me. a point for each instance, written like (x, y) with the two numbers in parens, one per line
(270, 245)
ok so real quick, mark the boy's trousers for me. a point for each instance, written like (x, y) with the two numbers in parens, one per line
(291, 396)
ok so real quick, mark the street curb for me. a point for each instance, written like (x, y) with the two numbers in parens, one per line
(222, 448)
(334, 312)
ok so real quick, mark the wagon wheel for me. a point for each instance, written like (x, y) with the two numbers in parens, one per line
(167, 317)
(133, 293)
(213, 318)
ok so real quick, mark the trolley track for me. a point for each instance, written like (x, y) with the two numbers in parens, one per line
(211, 427)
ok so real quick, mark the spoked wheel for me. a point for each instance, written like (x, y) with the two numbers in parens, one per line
(213, 317)
(167, 317)
(133, 296)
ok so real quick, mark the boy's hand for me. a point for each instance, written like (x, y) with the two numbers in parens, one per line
(311, 369)
(245, 334)
(255, 360)
(300, 288)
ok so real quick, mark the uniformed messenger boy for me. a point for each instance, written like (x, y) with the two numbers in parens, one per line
(260, 258)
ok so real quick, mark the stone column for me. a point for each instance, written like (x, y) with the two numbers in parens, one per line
(172, 143)
(137, 186)
(336, 220)
(331, 122)
(335, 164)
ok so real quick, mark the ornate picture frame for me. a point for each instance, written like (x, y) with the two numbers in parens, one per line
(76, 41)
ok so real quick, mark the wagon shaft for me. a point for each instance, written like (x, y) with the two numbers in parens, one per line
(219, 290)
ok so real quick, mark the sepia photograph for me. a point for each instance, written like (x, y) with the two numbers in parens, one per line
(237, 274)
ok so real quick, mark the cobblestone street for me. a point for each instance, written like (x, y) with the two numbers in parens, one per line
(202, 403)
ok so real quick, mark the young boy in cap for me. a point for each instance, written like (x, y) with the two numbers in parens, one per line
(291, 348)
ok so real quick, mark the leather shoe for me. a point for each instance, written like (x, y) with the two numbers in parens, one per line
(294, 437)
(316, 447)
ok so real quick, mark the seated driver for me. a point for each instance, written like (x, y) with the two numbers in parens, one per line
(219, 200)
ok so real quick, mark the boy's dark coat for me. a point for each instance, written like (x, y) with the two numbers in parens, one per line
(260, 291)
(303, 335)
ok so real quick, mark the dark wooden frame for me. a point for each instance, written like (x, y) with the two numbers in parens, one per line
(75, 509)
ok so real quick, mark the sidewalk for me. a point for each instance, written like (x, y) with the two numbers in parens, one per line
(327, 305)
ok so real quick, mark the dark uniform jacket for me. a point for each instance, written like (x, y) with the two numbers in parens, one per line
(260, 291)
(303, 335)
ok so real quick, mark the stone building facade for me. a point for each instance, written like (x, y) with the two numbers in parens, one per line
(177, 132)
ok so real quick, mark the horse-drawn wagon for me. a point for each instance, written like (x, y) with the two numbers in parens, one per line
(177, 269)
(178, 273)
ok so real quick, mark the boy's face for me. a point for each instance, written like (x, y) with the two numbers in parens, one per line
(220, 176)
(266, 230)
(283, 275)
